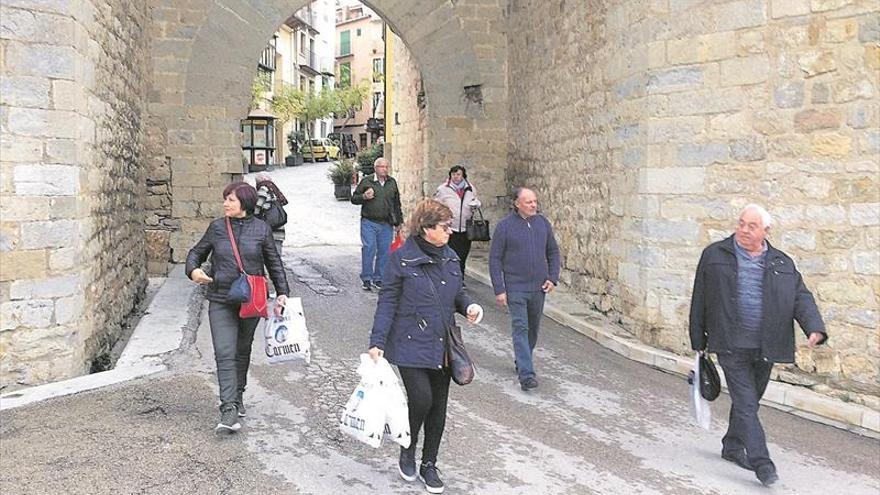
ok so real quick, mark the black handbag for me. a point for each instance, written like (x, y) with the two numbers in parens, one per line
(477, 229)
(456, 358)
(710, 382)
(275, 216)
(455, 355)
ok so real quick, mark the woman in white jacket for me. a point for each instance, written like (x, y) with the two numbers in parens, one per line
(461, 197)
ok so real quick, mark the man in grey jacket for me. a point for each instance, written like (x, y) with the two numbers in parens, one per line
(746, 297)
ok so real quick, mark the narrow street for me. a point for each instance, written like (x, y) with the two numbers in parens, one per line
(598, 424)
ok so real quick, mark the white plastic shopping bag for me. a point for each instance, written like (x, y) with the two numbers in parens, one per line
(286, 337)
(364, 414)
(396, 410)
(700, 410)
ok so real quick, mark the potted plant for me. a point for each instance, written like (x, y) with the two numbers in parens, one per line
(367, 156)
(341, 173)
(294, 141)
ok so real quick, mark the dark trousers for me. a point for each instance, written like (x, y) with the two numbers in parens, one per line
(427, 391)
(460, 243)
(747, 375)
(232, 337)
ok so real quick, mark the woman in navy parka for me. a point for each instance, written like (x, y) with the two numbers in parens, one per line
(421, 292)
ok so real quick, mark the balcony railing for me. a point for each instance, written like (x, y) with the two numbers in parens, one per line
(267, 58)
(307, 17)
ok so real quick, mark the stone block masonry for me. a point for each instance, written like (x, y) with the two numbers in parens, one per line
(73, 84)
(644, 126)
(702, 110)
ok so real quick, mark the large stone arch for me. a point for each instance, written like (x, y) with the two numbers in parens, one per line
(204, 60)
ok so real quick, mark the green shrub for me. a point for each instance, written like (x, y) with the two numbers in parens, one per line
(367, 156)
(341, 172)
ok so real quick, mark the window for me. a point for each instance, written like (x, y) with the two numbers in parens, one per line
(363, 140)
(378, 69)
(302, 42)
(345, 74)
(345, 43)
(377, 100)
(259, 136)
(358, 31)
(248, 135)
(323, 129)
(302, 83)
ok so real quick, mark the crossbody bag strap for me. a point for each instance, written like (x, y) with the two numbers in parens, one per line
(436, 297)
(234, 245)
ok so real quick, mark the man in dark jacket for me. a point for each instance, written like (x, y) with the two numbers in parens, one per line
(380, 214)
(746, 296)
(524, 265)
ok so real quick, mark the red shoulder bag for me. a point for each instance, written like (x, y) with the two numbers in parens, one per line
(253, 288)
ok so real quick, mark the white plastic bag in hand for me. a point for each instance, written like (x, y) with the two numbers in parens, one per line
(700, 410)
(286, 337)
(396, 410)
(364, 414)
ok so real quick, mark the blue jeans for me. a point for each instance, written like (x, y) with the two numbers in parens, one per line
(747, 376)
(525, 309)
(375, 244)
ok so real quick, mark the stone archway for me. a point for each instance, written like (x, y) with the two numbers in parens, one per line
(203, 64)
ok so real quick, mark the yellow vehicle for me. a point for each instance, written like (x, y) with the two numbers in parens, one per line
(320, 149)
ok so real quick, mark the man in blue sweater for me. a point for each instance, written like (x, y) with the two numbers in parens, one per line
(524, 265)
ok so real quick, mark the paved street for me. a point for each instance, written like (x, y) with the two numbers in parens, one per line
(599, 423)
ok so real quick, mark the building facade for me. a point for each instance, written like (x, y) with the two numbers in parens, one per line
(300, 54)
(360, 55)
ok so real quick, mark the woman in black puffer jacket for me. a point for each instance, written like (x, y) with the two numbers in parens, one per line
(232, 336)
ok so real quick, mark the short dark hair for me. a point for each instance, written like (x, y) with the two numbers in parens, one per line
(457, 168)
(428, 214)
(245, 193)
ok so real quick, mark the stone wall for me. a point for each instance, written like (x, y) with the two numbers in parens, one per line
(407, 125)
(73, 86)
(665, 117)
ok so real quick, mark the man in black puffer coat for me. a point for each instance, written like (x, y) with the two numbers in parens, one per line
(232, 335)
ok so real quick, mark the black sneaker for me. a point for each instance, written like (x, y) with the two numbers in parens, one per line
(242, 412)
(367, 286)
(228, 420)
(430, 475)
(528, 384)
(767, 474)
(407, 463)
(737, 457)
(377, 284)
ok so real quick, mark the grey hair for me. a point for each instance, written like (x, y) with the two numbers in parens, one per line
(380, 159)
(515, 193)
(766, 219)
(262, 177)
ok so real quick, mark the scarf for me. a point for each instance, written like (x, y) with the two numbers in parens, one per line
(272, 187)
(436, 253)
(459, 188)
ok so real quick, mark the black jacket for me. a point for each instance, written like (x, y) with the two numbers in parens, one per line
(385, 205)
(715, 316)
(255, 245)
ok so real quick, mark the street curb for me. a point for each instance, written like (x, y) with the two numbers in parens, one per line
(783, 396)
(159, 331)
